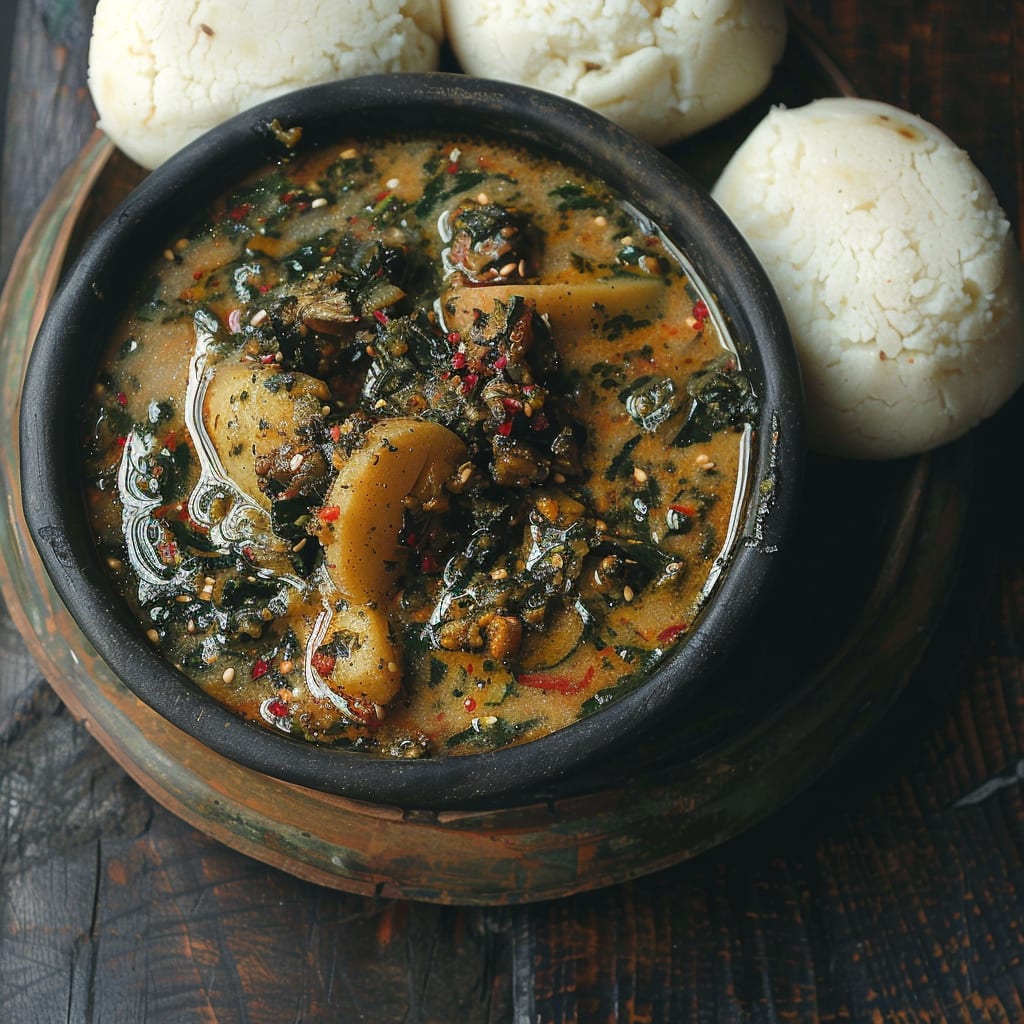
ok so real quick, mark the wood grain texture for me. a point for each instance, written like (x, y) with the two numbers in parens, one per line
(892, 893)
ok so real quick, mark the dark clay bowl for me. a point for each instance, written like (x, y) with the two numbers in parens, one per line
(89, 303)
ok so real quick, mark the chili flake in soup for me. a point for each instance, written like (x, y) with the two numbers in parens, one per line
(417, 446)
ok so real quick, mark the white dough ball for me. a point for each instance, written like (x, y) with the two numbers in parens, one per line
(162, 73)
(661, 70)
(895, 266)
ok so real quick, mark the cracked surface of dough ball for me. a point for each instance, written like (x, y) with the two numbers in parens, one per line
(662, 70)
(896, 268)
(161, 74)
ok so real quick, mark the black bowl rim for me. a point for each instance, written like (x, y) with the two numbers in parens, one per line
(61, 362)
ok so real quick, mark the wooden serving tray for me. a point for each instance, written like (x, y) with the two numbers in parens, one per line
(878, 554)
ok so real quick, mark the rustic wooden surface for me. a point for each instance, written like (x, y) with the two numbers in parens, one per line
(893, 891)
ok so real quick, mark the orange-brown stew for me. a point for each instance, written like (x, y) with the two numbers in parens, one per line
(417, 445)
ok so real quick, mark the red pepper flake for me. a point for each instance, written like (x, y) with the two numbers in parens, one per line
(501, 362)
(700, 311)
(122, 399)
(380, 316)
(198, 275)
(323, 663)
(512, 404)
(453, 168)
(267, 359)
(122, 441)
(469, 382)
(329, 513)
(669, 634)
(168, 552)
(684, 510)
(248, 552)
(459, 360)
(505, 429)
(560, 684)
(454, 337)
(287, 197)
(240, 211)
(278, 708)
(264, 288)
(469, 704)
(336, 433)
(260, 667)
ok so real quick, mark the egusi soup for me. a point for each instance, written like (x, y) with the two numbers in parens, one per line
(418, 446)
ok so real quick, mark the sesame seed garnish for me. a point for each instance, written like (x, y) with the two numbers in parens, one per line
(392, 183)
(296, 460)
(639, 476)
(168, 255)
(626, 240)
(319, 202)
(153, 636)
(285, 667)
(300, 545)
(601, 220)
(349, 154)
(228, 675)
(392, 666)
(627, 594)
(483, 198)
(259, 317)
(116, 564)
(181, 244)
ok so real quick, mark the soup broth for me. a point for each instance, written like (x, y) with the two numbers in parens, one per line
(417, 445)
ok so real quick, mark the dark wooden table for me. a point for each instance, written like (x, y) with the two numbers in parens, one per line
(893, 890)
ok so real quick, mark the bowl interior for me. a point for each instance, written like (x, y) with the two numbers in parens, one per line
(87, 305)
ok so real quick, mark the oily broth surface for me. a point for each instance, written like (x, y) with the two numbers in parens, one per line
(653, 485)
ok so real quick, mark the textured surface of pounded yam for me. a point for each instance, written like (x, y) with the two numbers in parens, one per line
(160, 74)
(662, 70)
(896, 268)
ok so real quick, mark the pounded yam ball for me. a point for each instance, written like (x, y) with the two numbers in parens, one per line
(896, 268)
(661, 70)
(162, 73)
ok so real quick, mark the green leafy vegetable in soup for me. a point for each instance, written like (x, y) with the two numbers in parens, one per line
(417, 446)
